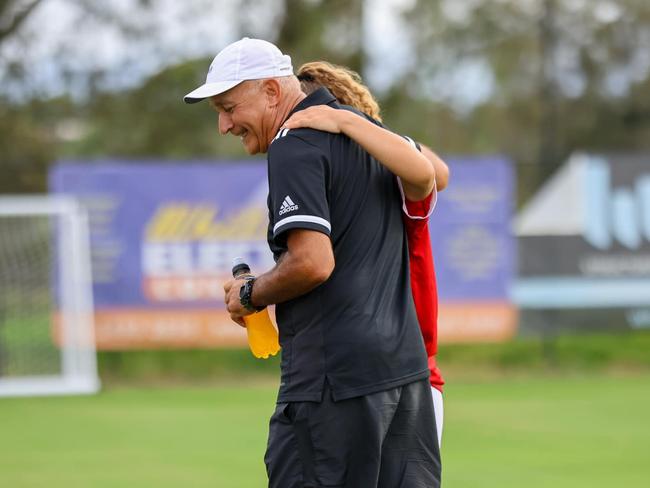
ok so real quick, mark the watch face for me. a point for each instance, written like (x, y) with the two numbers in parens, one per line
(245, 293)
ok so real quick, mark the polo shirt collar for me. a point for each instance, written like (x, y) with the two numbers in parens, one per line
(322, 96)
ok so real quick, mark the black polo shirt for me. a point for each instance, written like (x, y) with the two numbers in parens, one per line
(358, 331)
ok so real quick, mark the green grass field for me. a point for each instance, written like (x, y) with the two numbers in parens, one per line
(577, 431)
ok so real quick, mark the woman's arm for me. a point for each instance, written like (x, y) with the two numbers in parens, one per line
(416, 171)
(440, 167)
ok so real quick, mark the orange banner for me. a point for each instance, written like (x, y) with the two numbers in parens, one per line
(155, 329)
(123, 329)
(476, 322)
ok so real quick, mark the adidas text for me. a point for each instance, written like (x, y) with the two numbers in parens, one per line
(287, 206)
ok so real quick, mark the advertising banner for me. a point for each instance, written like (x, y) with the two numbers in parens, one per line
(163, 238)
(584, 247)
(584, 239)
(474, 251)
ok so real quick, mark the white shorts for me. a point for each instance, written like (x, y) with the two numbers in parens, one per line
(438, 411)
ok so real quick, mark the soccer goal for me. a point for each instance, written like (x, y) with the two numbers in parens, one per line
(47, 344)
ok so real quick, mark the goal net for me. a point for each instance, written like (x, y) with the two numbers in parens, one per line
(46, 318)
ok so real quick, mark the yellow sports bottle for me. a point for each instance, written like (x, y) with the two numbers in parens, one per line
(262, 334)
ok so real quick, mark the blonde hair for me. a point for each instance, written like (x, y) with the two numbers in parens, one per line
(346, 85)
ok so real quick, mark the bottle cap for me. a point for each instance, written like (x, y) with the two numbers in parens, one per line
(239, 266)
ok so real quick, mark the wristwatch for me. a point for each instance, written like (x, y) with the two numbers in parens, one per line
(246, 294)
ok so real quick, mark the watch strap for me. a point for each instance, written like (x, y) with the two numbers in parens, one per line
(246, 295)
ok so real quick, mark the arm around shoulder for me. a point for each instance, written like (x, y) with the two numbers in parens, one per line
(398, 155)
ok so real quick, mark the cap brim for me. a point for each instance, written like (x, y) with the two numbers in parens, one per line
(208, 90)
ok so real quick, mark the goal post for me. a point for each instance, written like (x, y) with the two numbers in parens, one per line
(47, 344)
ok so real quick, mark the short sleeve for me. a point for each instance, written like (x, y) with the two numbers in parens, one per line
(297, 186)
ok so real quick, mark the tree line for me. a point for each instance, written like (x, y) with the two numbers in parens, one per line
(533, 80)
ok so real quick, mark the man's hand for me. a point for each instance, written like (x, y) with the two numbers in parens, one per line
(231, 299)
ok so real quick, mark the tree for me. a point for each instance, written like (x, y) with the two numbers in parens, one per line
(94, 118)
(548, 77)
(326, 30)
(12, 15)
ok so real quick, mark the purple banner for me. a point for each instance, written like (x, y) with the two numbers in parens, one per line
(163, 238)
(472, 244)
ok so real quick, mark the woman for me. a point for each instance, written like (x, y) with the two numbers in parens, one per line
(420, 175)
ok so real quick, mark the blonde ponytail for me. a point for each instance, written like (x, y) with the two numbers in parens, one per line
(346, 85)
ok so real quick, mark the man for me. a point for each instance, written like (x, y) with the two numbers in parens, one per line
(354, 407)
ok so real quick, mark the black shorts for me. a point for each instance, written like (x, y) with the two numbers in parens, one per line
(385, 440)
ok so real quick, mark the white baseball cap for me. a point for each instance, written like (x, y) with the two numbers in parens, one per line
(246, 59)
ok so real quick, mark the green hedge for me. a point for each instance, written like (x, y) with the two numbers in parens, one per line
(630, 349)
(563, 353)
(184, 365)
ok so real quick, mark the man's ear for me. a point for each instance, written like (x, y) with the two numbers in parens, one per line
(272, 90)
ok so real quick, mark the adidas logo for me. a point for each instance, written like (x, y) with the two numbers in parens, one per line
(287, 205)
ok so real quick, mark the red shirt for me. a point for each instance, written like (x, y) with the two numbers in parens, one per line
(423, 279)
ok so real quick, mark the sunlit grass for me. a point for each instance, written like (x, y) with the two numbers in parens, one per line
(581, 431)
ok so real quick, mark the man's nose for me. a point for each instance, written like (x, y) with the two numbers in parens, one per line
(225, 123)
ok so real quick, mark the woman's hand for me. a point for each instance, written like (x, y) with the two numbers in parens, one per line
(319, 117)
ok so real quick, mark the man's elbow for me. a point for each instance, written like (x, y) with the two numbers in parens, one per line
(316, 271)
(321, 271)
(311, 256)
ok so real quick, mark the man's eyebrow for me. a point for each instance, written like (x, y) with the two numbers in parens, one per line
(219, 106)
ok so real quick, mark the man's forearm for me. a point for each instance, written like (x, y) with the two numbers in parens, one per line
(307, 263)
(286, 280)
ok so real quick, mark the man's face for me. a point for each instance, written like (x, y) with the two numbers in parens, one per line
(242, 112)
